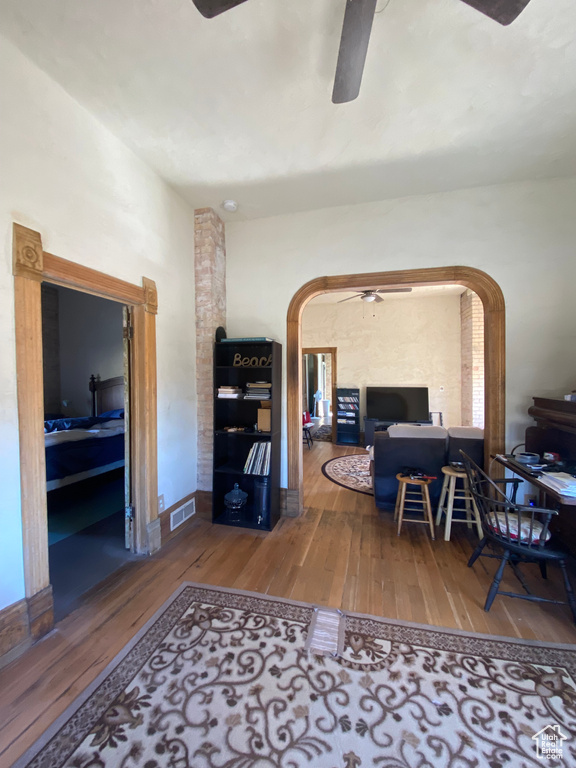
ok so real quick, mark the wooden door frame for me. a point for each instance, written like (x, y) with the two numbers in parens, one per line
(494, 351)
(334, 352)
(32, 266)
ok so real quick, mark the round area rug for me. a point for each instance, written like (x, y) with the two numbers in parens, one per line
(351, 472)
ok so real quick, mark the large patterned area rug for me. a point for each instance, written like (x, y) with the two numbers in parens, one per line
(225, 679)
(352, 472)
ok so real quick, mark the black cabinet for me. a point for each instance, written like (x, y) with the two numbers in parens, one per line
(347, 416)
(247, 378)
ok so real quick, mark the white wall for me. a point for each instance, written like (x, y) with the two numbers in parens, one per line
(90, 343)
(410, 342)
(94, 203)
(523, 235)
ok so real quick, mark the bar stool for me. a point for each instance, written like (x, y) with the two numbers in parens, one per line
(419, 497)
(457, 495)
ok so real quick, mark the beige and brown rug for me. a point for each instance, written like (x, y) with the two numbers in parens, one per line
(224, 679)
(351, 472)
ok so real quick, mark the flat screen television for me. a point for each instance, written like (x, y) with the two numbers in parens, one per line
(397, 403)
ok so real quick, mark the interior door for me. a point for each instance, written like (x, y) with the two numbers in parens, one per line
(129, 537)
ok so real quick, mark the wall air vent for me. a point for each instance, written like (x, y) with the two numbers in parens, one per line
(182, 514)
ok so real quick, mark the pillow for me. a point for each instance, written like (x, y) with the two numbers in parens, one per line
(116, 414)
(511, 530)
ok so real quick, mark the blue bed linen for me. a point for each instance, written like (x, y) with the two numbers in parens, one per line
(81, 422)
(79, 456)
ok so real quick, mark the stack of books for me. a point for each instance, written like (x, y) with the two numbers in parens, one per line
(258, 461)
(231, 393)
(258, 390)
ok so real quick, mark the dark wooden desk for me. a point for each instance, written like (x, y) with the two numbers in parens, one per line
(555, 500)
(562, 525)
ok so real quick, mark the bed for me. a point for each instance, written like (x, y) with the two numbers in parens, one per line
(79, 448)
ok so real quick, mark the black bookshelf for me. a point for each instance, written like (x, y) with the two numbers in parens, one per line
(347, 416)
(237, 364)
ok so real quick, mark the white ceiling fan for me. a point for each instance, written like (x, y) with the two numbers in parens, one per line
(373, 294)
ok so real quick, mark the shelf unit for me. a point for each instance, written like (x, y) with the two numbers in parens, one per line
(260, 361)
(347, 416)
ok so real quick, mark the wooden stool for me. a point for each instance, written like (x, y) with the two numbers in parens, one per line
(451, 477)
(420, 497)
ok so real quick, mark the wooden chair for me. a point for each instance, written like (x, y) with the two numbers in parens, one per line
(518, 534)
(306, 426)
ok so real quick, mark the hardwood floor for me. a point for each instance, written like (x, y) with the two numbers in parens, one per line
(341, 552)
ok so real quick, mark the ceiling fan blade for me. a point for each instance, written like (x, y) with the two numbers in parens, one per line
(358, 19)
(378, 298)
(394, 290)
(502, 11)
(348, 299)
(211, 8)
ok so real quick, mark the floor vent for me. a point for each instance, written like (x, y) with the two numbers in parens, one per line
(182, 514)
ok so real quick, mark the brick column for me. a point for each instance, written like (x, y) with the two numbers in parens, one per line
(210, 277)
(472, 352)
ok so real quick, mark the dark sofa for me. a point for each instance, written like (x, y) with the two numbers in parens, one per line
(426, 448)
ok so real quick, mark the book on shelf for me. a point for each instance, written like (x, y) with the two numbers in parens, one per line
(257, 396)
(246, 338)
(230, 392)
(259, 384)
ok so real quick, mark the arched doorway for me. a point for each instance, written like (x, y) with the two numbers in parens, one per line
(494, 345)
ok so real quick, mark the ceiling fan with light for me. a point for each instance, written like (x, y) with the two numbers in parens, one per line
(356, 29)
(373, 295)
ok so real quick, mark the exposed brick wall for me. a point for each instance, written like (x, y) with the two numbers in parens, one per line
(210, 275)
(472, 356)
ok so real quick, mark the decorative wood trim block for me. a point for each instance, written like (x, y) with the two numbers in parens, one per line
(41, 613)
(494, 345)
(27, 253)
(150, 295)
(291, 502)
(154, 536)
(14, 631)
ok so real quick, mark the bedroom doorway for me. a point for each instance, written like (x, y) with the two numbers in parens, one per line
(86, 367)
(31, 266)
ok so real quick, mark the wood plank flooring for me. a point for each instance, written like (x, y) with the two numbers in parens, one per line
(342, 552)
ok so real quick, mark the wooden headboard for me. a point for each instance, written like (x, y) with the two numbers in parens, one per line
(107, 394)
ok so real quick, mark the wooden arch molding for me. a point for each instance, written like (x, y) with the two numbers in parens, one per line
(494, 351)
(32, 266)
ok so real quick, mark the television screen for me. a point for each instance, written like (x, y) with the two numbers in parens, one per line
(397, 403)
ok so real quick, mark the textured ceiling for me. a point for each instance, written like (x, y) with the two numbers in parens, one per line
(240, 106)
